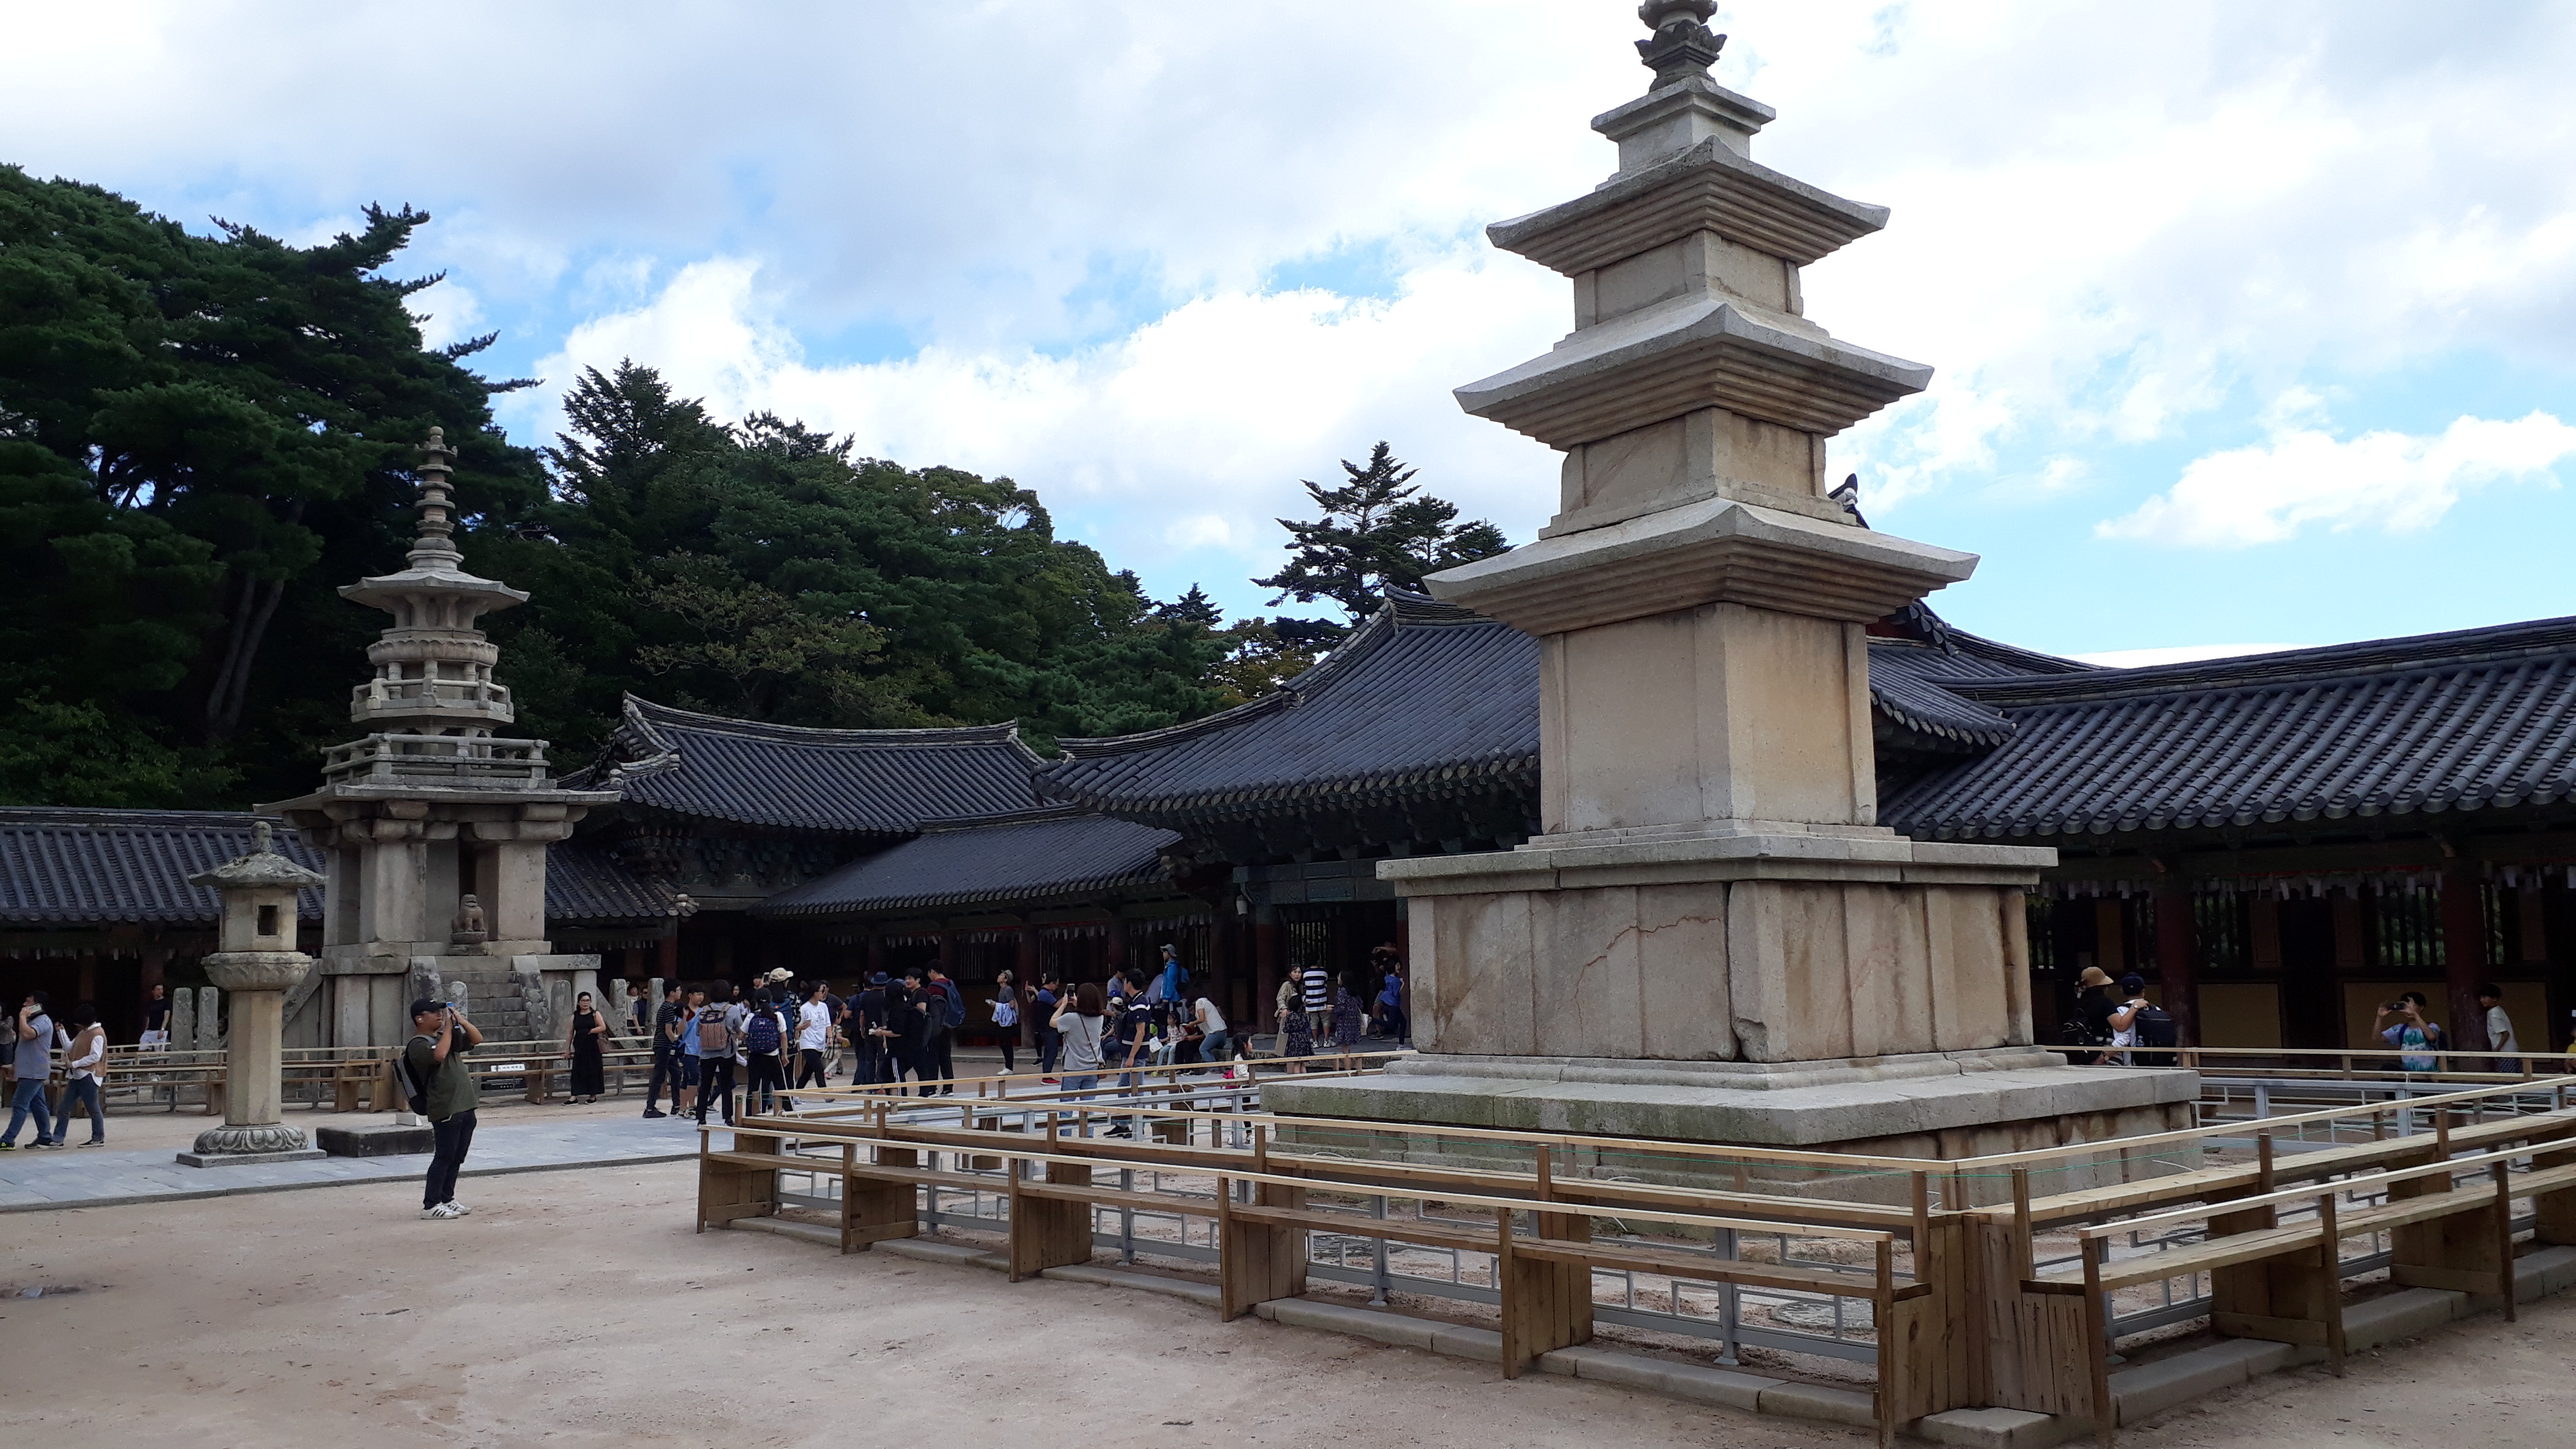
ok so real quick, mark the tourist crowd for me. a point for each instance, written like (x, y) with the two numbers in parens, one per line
(715, 1043)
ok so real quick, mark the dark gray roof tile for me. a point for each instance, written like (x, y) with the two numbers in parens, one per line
(64, 867)
(1422, 699)
(1031, 856)
(585, 885)
(874, 782)
(2481, 718)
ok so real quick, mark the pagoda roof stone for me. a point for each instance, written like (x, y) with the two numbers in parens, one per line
(1692, 352)
(1706, 188)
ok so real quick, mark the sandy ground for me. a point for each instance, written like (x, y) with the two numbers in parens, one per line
(576, 1308)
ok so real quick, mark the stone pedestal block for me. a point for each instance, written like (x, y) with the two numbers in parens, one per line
(377, 1140)
(1772, 947)
(1825, 987)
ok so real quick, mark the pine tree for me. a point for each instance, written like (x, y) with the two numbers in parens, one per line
(1376, 531)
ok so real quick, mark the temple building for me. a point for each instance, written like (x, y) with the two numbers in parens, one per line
(2278, 843)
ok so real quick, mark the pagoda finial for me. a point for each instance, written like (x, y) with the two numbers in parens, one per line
(259, 838)
(1682, 46)
(436, 544)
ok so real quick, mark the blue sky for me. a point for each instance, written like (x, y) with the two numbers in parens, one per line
(2252, 324)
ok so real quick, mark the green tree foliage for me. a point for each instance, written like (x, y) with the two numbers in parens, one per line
(760, 570)
(1262, 655)
(199, 437)
(1376, 530)
(203, 436)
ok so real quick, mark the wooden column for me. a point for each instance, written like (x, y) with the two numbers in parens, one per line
(1265, 966)
(874, 1210)
(1220, 965)
(1049, 1232)
(2348, 958)
(1547, 1305)
(2464, 952)
(1115, 953)
(729, 1189)
(2556, 1211)
(1257, 1261)
(876, 953)
(2175, 947)
(666, 954)
(2110, 937)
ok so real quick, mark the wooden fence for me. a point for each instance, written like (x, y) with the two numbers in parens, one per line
(2007, 1280)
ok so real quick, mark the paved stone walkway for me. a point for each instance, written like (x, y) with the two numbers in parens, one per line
(73, 1177)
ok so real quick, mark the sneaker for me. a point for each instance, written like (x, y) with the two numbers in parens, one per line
(443, 1210)
(651, 1112)
(8, 1146)
(95, 1142)
(458, 1208)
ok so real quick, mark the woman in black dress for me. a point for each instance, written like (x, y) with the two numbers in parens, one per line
(589, 1040)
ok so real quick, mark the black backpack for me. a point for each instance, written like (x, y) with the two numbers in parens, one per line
(2075, 1031)
(415, 1093)
(2154, 1027)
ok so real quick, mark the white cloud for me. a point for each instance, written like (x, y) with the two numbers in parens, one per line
(1174, 446)
(2105, 228)
(2395, 482)
(449, 312)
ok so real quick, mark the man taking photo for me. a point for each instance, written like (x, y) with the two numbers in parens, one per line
(435, 1062)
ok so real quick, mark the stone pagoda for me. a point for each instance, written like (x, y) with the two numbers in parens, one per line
(435, 825)
(1712, 939)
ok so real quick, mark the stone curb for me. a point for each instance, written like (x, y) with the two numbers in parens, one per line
(1732, 1388)
(930, 1251)
(194, 1194)
(1204, 1294)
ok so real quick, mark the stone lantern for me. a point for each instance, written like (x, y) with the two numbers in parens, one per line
(257, 965)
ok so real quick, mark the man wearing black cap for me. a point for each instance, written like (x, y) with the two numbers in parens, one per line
(865, 1026)
(435, 1059)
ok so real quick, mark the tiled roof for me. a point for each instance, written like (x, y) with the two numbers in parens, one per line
(64, 867)
(2471, 720)
(1427, 699)
(585, 884)
(1031, 856)
(1906, 685)
(875, 782)
(1424, 699)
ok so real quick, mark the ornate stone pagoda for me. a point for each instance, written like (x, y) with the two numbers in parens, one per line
(1712, 938)
(434, 825)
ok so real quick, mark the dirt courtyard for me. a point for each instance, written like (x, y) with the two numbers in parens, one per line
(576, 1308)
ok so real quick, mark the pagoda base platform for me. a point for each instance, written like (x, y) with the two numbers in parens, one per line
(1935, 1106)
